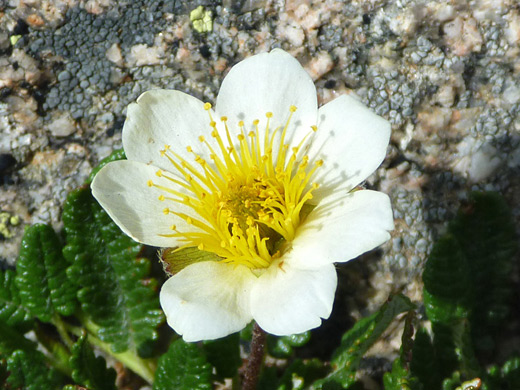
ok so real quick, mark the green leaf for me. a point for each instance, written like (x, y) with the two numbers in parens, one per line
(183, 367)
(12, 339)
(505, 378)
(89, 370)
(41, 275)
(301, 373)
(486, 233)
(12, 311)
(282, 347)
(115, 290)
(424, 362)
(28, 371)
(224, 355)
(356, 342)
(447, 287)
(401, 377)
(118, 154)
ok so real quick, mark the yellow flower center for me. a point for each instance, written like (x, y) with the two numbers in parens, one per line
(249, 201)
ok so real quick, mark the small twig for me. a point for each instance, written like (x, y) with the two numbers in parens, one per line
(252, 369)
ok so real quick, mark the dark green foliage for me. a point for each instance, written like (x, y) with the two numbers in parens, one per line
(118, 154)
(424, 362)
(301, 373)
(12, 339)
(224, 355)
(27, 370)
(89, 370)
(282, 347)
(3, 373)
(298, 375)
(401, 377)
(12, 311)
(486, 233)
(358, 340)
(183, 367)
(114, 288)
(466, 291)
(41, 275)
(505, 378)
(447, 287)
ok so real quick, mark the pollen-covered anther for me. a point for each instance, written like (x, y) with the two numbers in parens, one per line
(249, 196)
(314, 128)
(159, 173)
(207, 106)
(166, 211)
(149, 183)
(161, 197)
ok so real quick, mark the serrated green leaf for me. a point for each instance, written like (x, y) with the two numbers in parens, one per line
(89, 370)
(424, 362)
(28, 371)
(486, 233)
(118, 154)
(224, 355)
(12, 311)
(400, 379)
(41, 275)
(183, 367)
(115, 290)
(401, 376)
(447, 288)
(358, 340)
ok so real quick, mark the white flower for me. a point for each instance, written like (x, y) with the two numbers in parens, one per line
(265, 181)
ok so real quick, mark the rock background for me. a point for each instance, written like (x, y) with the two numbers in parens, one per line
(444, 73)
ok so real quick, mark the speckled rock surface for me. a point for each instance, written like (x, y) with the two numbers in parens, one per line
(444, 73)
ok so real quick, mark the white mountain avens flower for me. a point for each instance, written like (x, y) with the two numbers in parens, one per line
(255, 200)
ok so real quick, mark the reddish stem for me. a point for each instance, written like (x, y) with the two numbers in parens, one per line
(252, 369)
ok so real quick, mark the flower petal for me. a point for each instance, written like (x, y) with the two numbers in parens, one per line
(351, 140)
(207, 300)
(269, 82)
(287, 300)
(121, 188)
(341, 228)
(164, 117)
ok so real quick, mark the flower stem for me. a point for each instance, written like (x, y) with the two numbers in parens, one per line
(252, 370)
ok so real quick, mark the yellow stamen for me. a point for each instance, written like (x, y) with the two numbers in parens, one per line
(248, 200)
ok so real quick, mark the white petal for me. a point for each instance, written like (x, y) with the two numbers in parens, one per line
(164, 117)
(269, 82)
(341, 228)
(351, 140)
(121, 188)
(207, 300)
(287, 300)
